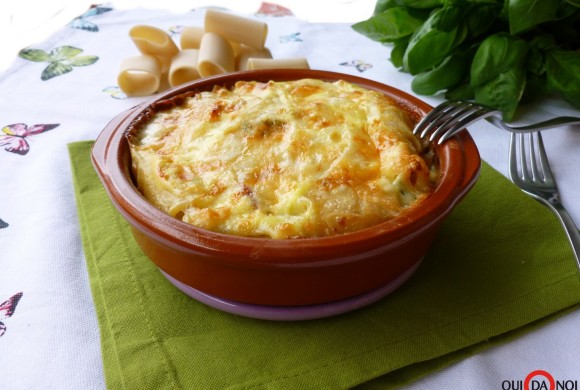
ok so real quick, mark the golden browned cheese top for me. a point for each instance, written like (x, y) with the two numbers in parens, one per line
(292, 159)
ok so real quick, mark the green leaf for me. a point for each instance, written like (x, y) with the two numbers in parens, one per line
(480, 19)
(462, 91)
(535, 88)
(64, 53)
(447, 18)
(448, 74)
(398, 52)
(389, 25)
(497, 54)
(566, 10)
(563, 74)
(536, 59)
(434, 40)
(543, 42)
(383, 5)
(82, 60)
(498, 73)
(503, 92)
(505, 68)
(526, 14)
(35, 55)
(423, 4)
(55, 69)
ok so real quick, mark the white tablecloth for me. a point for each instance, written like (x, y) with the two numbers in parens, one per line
(50, 340)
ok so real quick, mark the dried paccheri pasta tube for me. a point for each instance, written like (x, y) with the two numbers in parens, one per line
(216, 55)
(280, 63)
(246, 31)
(139, 75)
(224, 44)
(247, 52)
(155, 42)
(184, 67)
(236, 47)
(191, 37)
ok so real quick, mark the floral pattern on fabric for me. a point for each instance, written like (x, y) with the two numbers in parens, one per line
(360, 65)
(60, 60)
(82, 23)
(7, 308)
(270, 9)
(14, 136)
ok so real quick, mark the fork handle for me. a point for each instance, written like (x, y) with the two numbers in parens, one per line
(572, 231)
(549, 124)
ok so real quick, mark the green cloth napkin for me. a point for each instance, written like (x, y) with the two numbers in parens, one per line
(500, 265)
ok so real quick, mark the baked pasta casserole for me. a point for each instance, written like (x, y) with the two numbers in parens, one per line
(292, 159)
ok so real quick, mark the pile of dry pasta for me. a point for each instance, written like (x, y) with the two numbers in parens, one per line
(226, 43)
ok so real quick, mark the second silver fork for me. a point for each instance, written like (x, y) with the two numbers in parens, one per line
(530, 170)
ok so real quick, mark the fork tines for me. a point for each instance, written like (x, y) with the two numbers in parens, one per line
(535, 178)
(449, 118)
(533, 161)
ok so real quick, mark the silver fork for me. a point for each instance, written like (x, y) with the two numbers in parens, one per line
(453, 116)
(530, 170)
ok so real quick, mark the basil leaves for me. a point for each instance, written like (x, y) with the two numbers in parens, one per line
(496, 52)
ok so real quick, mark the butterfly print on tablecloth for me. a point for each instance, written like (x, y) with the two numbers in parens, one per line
(61, 60)
(270, 9)
(360, 65)
(176, 30)
(290, 38)
(3, 225)
(7, 309)
(13, 137)
(115, 92)
(82, 23)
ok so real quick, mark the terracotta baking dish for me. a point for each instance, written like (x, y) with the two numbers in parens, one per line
(293, 272)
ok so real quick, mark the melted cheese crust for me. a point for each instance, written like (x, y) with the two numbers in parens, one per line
(303, 158)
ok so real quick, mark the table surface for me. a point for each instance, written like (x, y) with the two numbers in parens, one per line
(37, 262)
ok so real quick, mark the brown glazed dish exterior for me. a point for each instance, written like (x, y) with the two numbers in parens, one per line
(292, 272)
